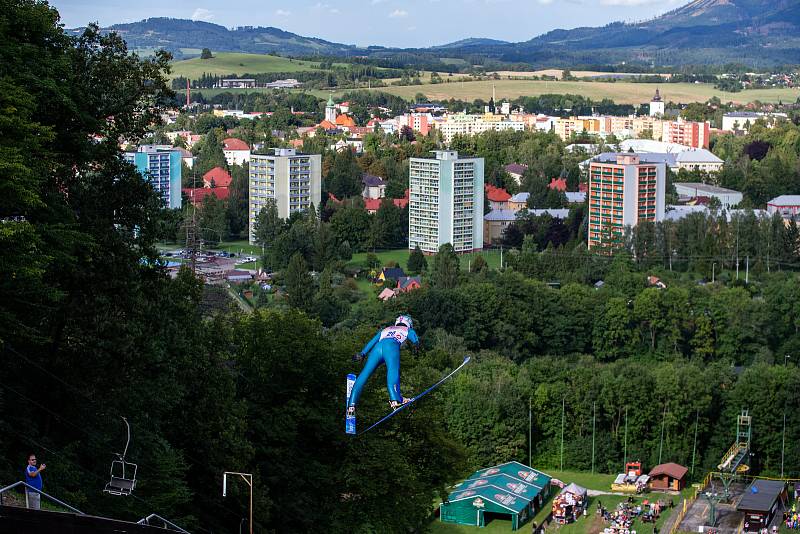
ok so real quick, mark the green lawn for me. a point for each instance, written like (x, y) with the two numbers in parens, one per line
(400, 256)
(594, 481)
(235, 63)
(590, 523)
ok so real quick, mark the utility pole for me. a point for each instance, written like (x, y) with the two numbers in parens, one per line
(625, 453)
(248, 478)
(594, 418)
(694, 447)
(563, 405)
(663, 422)
(746, 269)
(783, 439)
(713, 271)
(530, 432)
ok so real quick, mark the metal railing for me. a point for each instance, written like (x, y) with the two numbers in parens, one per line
(167, 523)
(49, 497)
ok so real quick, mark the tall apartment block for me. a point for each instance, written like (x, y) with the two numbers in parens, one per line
(161, 165)
(292, 179)
(624, 189)
(445, 202)
(693, 134)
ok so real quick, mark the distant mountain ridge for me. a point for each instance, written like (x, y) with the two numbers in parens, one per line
(174, 34)
(757, 32)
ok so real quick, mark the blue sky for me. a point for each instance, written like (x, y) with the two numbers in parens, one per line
(406, 23)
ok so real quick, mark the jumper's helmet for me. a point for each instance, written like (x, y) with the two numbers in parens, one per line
(404, 320)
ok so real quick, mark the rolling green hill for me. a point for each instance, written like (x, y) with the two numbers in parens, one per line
(235, 63)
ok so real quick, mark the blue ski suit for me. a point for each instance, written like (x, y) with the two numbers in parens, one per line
(384, 347)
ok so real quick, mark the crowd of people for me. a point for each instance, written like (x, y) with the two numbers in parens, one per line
(622, 517)
(791, 518)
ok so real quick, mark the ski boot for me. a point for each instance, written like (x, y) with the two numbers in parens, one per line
(395, 405)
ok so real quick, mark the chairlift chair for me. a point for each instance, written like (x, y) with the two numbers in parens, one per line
(123, 474)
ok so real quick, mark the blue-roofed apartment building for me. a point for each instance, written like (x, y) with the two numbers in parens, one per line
(161, 165)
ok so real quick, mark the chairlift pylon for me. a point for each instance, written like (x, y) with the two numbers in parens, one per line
(123, 473)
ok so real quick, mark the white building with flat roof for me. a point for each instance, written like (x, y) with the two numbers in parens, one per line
(291, 178)
(788, 206)
(445, 202)
(727, 197)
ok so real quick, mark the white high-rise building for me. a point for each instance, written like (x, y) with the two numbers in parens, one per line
(293, 179)
(445, 202)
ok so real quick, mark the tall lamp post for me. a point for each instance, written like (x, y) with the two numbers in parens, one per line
(248, 478)
(783, 440)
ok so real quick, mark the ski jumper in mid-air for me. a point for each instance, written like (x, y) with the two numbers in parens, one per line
(384, 347)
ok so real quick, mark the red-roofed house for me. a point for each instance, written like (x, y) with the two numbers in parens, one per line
(327, 125)
(345, 122)
(372, 205)
(497, 196)
(558, 184)
(583, 187)
(237, 152)
(220, 177)
(197, 194)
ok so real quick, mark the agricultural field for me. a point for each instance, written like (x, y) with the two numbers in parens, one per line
(620, 92)
(400, 256)
(577, 73)
(235, 63)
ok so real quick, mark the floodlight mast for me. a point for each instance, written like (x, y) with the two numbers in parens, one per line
(248, 478)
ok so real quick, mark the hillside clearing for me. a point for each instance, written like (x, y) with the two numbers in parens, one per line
(224, 63)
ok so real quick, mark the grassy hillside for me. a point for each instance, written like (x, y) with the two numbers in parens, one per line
(235, 63)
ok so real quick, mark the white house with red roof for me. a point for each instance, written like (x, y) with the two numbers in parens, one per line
(237, 152)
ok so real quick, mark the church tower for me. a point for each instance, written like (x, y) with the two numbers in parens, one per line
(330, 110)
(657, 105)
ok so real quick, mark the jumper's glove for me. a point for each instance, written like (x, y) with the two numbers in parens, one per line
(357, 357)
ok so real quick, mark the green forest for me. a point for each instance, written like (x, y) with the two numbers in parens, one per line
(93, 329)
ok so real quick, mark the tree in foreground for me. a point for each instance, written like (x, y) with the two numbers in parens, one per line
(416, 261)
(446, 268)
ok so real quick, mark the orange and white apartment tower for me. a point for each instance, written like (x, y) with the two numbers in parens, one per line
(624, 188)
(693, 134)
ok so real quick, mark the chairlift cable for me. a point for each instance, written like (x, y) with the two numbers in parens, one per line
(61, 455)
(94, 436)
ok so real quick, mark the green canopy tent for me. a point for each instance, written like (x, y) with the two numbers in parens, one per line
(510, 489)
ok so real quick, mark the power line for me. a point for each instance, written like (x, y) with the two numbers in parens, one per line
(100, 440)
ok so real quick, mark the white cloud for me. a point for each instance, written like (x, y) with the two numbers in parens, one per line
(333, 10)
(398, 13)
(411, 28)
(203, 14)
(377, 2)
(545, 2)
(282, 13)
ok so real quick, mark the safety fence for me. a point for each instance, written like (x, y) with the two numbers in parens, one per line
(687, 502)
